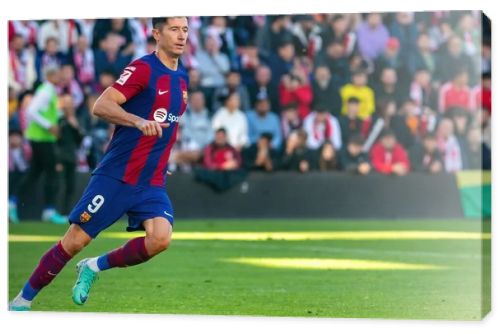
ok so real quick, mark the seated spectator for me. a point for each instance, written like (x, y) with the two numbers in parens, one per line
(263, 120)
(194, 81)
(351, 124)
(195, 132)
(83, 59)
(69, 85)
(22, 72)
(281, 62)
(326, 90)
(261, 155)
(65, 31)
(262, 87)
(231, 118)
(297, 156)
(48, 57)
(109, 57)
(120, 28)
(397, 121)
(213, 66)
(334, 57)
(233, 84)
(352, 157)
(221, 164)
(19, 158)
(359, 89)
(389, 87)
(338, 31)
(456, 93)
(295, 88)
(391, 58)
(425, 156)
(452, 61)
(388, 156)
(290, 119)
(105, 80)
(448, 146)
(477, 154)
(322, 127)
(328, 159)
(422, 91)
(306, 36)
(424, 57)
(461, 122)
(372, 36)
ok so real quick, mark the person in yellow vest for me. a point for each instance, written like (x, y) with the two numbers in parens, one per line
(42, 132)
(359, 89)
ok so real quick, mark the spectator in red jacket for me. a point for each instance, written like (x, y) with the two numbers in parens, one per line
(222, 164)
(388, 156)
(456, 93)
(295, 88)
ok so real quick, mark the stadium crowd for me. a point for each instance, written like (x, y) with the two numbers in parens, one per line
(388, 93)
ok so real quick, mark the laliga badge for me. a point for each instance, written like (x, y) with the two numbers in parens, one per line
(85, 217)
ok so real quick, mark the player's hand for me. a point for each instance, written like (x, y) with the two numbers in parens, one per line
(151, 128)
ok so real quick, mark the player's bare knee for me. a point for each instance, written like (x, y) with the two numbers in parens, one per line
(160, 242)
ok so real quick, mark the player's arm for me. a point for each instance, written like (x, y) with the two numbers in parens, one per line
(108, 107)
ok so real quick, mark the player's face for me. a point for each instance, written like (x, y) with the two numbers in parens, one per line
(172, 37)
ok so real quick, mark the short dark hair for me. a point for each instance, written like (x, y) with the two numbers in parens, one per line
(353, 99)
(356, 139)
(220, 130)
(159, 22)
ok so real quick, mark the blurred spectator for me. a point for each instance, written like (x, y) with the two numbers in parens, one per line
(248, 63)
(448, 146)
(141, 29)
(70, 137)
(481, 94)
(221, 164)
(69, 85)
(119, 27)
(109, 57)
(106, 79)
(452, 61)
(372, 36)
(404, 29)
(261, 155)
(22, 74)
(82, 57)
(425, 156)
(263, 120)
(475, 151)
(86, 28)
(352, 157)
(282, 62)
(351, 124)
(64, 31)
(48, 57)
(334, 58)
(262, 87)
(233, 120)
(196, 131)
(423, 57)
(290, 119)
(468, 32)
(460, 119)
(306, 36)
(391, 58)
(455, 93)
(328, 157)
(233, 84)
(388, 156)
(26, 28)
(272, 36)
(338, 31)
(326, 91)
(358, 88)
(42, 132)
(213, 66)
(219, 29)
(422, 92)
(194, 80)
(322, 127)
(295, 88)
(389, 87)
(19, 157)
(297, 156)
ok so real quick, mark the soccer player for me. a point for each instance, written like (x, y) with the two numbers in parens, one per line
(145, 103)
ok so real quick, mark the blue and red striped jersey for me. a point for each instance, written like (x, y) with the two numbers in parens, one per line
(153, 92)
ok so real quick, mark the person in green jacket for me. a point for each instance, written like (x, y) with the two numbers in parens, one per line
(42, 132)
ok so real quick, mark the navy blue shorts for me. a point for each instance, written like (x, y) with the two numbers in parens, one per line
(105, 200)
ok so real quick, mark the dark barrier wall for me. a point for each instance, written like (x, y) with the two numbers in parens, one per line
(314, 195)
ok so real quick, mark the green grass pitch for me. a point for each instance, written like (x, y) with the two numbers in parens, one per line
(302, 268)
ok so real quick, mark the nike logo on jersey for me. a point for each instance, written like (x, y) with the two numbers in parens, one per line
(168, 214)
(161, 92)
